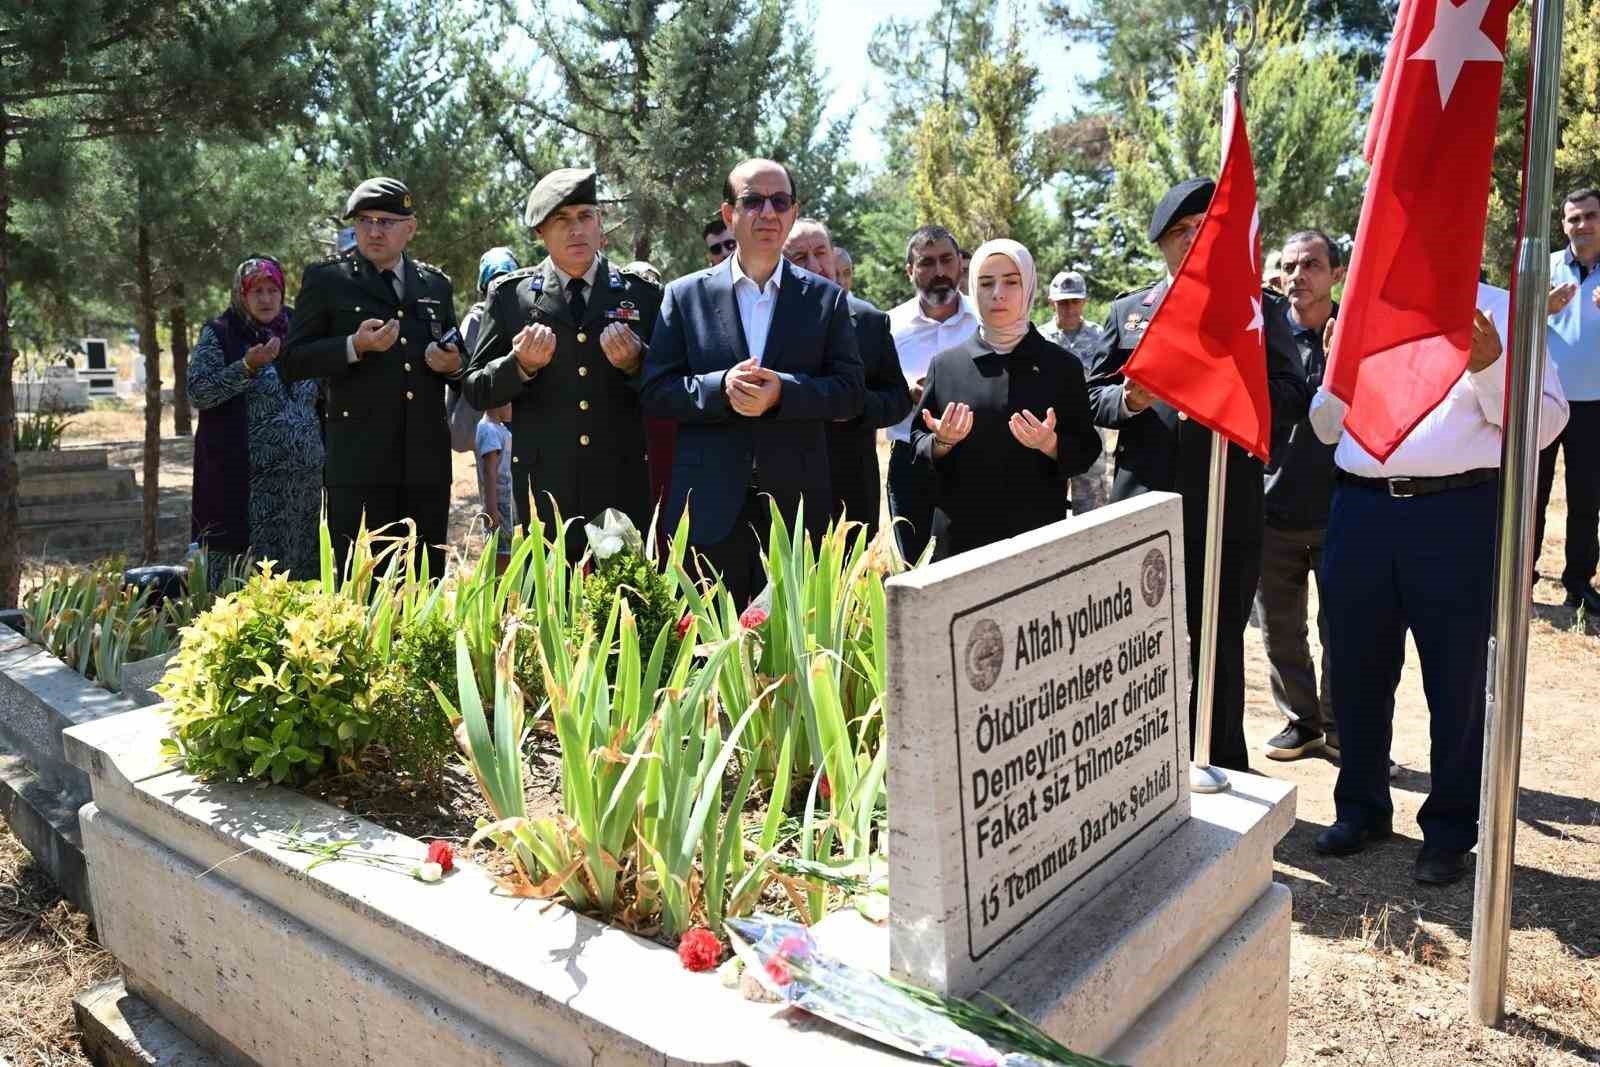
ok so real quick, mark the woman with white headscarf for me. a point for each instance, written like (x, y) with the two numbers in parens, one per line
(1005, 418)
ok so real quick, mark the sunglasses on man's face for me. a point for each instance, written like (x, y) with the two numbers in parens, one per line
(722, 246)
(780, 202)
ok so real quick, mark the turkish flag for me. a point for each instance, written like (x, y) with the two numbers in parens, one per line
(1204, 351)
(1404, 330)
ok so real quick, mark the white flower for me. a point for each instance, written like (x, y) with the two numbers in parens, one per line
(607, 545)
(430, 872)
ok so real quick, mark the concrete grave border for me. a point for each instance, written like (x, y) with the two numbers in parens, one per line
(40, 791)
(259, 960)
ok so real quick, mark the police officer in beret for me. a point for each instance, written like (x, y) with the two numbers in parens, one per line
(1159, 448)
(563, 342)
(373, 324)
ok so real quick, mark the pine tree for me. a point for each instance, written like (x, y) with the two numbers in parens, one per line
(1305, 123)
(77, 71)
(1578, 130)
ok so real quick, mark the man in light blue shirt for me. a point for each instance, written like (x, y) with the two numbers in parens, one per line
(1573, 337)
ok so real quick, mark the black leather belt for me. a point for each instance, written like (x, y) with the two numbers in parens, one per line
(1401, 488)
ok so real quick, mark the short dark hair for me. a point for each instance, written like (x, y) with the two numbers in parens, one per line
(928, 235)
(727, 183)
(1588, 192)
(1335, 253)
(716, 225)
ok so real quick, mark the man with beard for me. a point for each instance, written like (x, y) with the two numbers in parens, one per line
(935, 319)
(1159, 448)
(853, 443)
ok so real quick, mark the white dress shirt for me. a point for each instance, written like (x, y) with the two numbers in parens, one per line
(918, 338)
(1462, 434)
(756, 304)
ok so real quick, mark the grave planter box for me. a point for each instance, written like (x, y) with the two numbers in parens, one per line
(1181, 957)
(40, 792)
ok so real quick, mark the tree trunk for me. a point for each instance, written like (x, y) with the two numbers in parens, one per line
(10, 550)
(178, 326)
(152, 387)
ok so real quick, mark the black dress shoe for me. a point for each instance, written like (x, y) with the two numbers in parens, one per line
(1440, 866)
(1587, 598)
(1348, 838)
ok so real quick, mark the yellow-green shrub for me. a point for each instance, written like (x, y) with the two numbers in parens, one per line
(274, 681)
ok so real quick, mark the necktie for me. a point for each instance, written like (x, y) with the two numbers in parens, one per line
(394, 281)
(575, 299)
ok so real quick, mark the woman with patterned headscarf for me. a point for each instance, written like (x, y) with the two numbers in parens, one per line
(258, 450)
(1005, 415)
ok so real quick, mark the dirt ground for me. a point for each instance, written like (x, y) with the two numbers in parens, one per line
(1378, 964)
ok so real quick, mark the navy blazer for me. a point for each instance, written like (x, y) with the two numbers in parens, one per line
(698, 338)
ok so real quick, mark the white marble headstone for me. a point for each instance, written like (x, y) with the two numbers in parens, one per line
(1038, 725)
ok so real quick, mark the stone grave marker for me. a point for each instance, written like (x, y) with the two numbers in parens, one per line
(1038, 726)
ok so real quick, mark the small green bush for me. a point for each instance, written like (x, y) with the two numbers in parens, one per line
(651, 594)
(274, 681)
(410, 722)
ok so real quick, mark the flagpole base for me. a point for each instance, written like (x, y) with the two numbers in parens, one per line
(1206, 779)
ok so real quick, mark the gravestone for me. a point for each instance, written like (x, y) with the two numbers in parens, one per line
(1039, 733)
(99, 375)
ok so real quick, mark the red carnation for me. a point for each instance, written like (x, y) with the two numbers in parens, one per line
(700, 950)
(442, 853)
(752, 617)
(684, 623)
(778, 970)
(825, 788)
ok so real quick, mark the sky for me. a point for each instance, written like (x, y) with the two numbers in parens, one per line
(844, 28)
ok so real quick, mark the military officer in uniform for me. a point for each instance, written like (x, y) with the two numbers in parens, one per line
(563, 343)
(1159, 448)
(374, 323)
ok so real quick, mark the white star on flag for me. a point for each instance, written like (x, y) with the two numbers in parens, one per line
(1457, 39)
(1256, 322)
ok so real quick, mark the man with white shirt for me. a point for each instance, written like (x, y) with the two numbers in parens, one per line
(935, 319)
(753, 359)
(1410, 546)
(1574, 340)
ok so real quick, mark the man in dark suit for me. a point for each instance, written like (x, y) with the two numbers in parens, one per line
(369, 322)
(753, 359)
(1159, 448)
(853, 443)
(563, 342)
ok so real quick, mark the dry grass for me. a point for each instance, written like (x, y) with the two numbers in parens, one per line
(47, 956)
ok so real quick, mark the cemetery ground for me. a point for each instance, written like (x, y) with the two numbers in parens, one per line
(1379, 964)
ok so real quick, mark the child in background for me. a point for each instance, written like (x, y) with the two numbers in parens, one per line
(494, 477)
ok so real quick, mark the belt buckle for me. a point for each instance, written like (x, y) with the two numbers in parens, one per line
(1400, 488)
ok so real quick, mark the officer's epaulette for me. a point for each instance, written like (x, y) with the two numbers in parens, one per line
(638, 275)
(517, 275)
(1134, 291)
(431, 269)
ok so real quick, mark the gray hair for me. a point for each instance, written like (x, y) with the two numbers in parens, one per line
(927, 235)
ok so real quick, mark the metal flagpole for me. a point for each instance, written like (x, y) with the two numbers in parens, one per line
(1204, 778)
(1508, 646)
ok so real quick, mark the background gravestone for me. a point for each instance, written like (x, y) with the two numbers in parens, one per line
(1039, 733)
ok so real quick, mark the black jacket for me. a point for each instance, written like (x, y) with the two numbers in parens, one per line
(853, 443)
(990, 486)
(385, 412)
(577, 429)
(1299, 478)
(1157, 449)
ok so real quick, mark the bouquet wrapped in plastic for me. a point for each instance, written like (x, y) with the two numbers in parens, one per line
(784, 959)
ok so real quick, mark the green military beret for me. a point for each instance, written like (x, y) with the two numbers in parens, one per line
(569, 185)
(1182, 200)
(379, 194)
